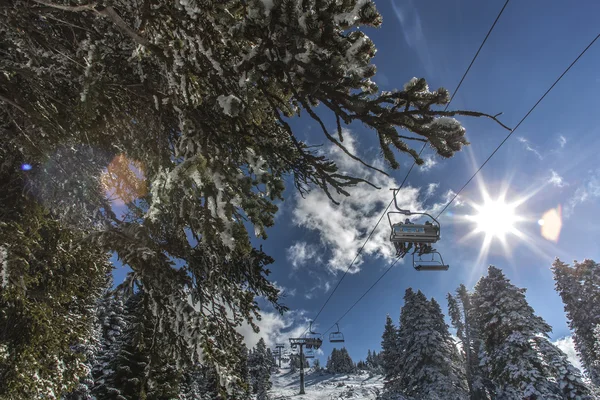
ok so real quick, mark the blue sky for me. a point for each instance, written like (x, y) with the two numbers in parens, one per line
(550, 160)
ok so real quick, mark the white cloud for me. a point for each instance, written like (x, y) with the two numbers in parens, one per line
(343, 228)
(588, 191)
(430, 162)
(431, 188)
(300, 253)
(284, 291)
(562, 141)
(567, 345)
(275, 328)
(556, 179)
(529, 147)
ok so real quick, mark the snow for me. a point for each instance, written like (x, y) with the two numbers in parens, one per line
(351, 17)
(3, 267)
(268, 6)
(229, 104)
(412, 82)
(323, 386)
(208, 54)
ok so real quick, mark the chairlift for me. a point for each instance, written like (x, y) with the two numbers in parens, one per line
(337, 336)
(309, 353)
(430, 265)
(315, 337)
(407, 236)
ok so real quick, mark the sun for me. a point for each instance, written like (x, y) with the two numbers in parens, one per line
(495, 218)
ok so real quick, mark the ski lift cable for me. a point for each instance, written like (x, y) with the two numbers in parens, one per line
(519, 124)
(363, 295)
(462, 79)
(412, 166)
(491, 155)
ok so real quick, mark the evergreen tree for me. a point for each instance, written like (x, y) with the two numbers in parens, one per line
(179, 110)
(242, 387)
(579, 288)
(429, 366)
(460, 311)
(369, 360)
(260, 370)
(520, 360)
(111, 318)
(568, 378)
(295, 362)
(50, 280)
(317, 364)
(390, 352)
(200, 382)
(340, 362)
(140, 368)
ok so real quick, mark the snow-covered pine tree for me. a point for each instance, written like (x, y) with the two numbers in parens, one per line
(579, 288)
(141, 368)
(429, 365)
(50, 280)
(369, 359)
(111, 318)
(331, 361)
(94, 350)
(317, 364)
(568, 378)
(390, 352)
(260, 370)
(340, 362)
(519, 358)
(241, 389)
(460, 311)
(361, 365)
(200, 382)
(180, 110)
(295, 362)
(346, 365)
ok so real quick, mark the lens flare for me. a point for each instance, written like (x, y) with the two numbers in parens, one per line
(551, 224)
(26, 167)
(124, 180)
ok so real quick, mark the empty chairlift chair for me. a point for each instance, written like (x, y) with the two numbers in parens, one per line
(309, 353)
(337, 336)
(435, 264)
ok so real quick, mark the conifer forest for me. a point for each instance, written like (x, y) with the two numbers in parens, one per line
(166, 138)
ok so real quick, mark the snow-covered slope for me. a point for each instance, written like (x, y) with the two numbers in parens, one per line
(323, 386)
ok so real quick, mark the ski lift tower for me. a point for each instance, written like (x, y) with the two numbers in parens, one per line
(309, 342)
(279, 347)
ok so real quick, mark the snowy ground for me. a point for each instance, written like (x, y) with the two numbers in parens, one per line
(323, 386)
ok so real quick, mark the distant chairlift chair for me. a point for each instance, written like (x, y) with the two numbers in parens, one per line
(406, 236)
(337, 336)
(309, 353)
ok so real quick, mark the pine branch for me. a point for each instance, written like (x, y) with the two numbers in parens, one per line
(12, 103)
(458, 112)
(107, 12)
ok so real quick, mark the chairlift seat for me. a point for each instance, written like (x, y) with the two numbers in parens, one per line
(435, 264)
(421, 267)
(336, 337)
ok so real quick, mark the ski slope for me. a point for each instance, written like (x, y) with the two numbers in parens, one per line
(323, 386)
